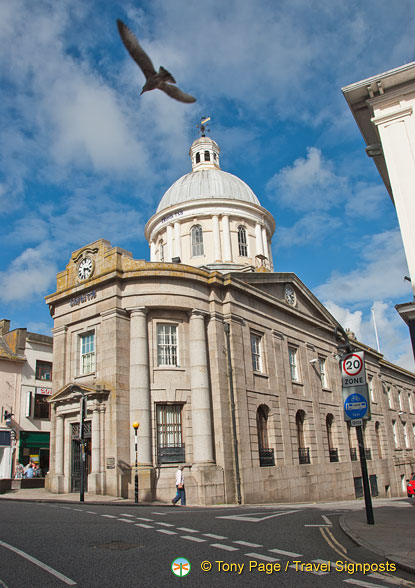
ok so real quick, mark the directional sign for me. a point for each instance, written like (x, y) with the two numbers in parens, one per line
(353, 369)
(355, 406)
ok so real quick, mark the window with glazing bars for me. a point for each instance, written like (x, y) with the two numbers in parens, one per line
(242, 242)
(292, 354)
(256, 353)
(169, 425)
(197, 241)
(88, 353)
(323, 377)
(166, 345)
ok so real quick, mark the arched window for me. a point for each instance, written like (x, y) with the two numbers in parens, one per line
(303, 451)
(207, 156)
(161, 250)
(198, 157)
(378, 442)
(242, 241)
(266, 454)
(197, 241)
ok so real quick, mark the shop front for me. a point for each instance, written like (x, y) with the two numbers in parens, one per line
(34, 447)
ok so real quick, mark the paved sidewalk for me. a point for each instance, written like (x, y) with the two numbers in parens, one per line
(42, 495)
(393, 534)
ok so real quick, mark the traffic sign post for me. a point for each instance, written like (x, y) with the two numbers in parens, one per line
(356, 407)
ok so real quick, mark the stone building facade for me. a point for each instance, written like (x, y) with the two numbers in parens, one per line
(230, 369)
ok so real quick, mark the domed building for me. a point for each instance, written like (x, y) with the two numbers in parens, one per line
(211, 218)
(229, 368)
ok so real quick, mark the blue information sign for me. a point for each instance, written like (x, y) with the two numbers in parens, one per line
(355, 406)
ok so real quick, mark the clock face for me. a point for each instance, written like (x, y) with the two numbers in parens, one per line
(290, 296)
(85, 268)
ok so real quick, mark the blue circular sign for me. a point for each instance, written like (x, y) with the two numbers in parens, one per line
(355, 406)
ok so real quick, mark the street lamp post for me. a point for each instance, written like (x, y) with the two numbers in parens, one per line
(135, 427)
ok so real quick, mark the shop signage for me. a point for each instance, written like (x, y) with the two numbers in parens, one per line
(44, 391)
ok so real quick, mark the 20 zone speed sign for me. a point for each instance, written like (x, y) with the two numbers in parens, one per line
(353, 369)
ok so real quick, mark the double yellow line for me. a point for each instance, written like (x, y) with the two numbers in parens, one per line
(342, 551)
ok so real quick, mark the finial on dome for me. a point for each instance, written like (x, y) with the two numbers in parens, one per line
(202, 125)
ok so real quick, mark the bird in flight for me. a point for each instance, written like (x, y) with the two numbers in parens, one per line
(154, 79)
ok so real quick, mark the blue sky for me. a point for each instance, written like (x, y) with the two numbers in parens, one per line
(83, 156)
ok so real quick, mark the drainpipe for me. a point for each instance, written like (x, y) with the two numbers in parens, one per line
(235, 437)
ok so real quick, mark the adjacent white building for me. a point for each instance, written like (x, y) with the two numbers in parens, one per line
(384, 109)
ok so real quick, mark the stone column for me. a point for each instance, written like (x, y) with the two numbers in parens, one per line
(102, 446)
(140, 405)
(258, 238)
(227, 250)
(169, 243)
(177, 240)
(59, 446)
(152, 251)
(95, 440)
(216, 238)
(199, 381)
(265, 242)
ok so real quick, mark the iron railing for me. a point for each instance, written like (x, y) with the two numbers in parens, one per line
(266, 457)
(304, 455)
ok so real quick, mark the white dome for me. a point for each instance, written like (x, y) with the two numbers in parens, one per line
(207, 183)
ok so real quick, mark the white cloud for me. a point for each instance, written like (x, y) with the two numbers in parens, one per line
(309, 184)
(379, 274)
(310, 229)
(29, 275)
(392, 333)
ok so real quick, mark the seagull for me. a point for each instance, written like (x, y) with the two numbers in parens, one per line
(153, 79)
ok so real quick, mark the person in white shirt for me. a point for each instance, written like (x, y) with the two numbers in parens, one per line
(180, 491)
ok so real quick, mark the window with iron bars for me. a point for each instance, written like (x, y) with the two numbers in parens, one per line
(166, 345)
(170, 446)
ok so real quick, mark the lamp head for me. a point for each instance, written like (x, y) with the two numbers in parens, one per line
(136, 425)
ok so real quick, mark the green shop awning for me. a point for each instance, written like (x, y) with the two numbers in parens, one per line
(34, 439)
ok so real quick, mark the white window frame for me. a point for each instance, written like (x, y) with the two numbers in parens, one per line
(400, 400)
(293, 356)
(389, 396)
(371, 388)
(196, 236)
(395, 435)
(256, 353)
(169, 425)
(167, 344)
(87, 356)
(411, 402)
(242, 241)
(405, 435)
(322, 364)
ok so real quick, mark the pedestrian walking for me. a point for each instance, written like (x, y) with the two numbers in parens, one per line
(180, 491)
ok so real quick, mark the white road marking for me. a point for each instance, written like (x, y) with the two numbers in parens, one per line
(125, 520)
(190, 538)
(225, 547)
(166, 531)
(214, 536)
(123, 514)
(365, 584)
(259, 556)
(318, 525)
(109, 516)
(326, 520)
(39, 563)
(143, 519)
(78, 509)
(158, 513)
(289, 553)
(187, 530)
(165, 524)
(250, 518)
(91, 512)
(247, 544)
(388, 579)
(66, 507)
(144, 526)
